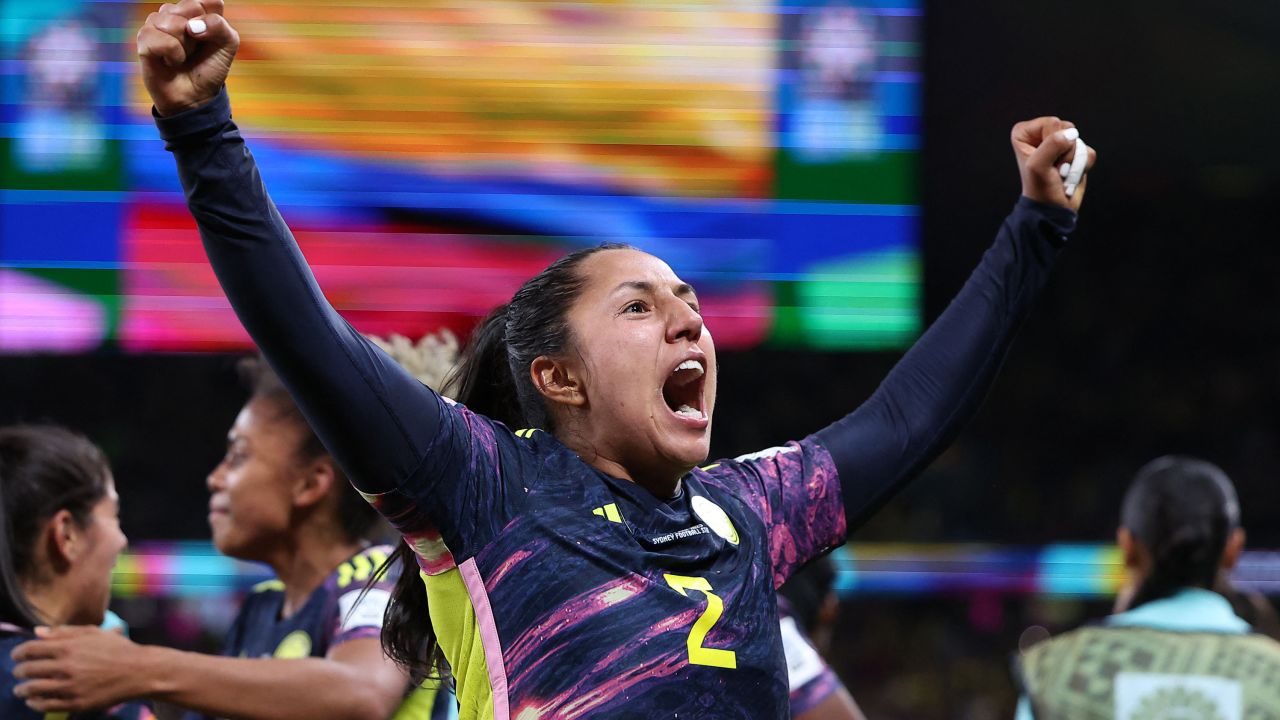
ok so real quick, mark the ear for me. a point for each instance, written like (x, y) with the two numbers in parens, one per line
(1231, 553)
(1128, 549)
(1130, 553)
(557, 381)
(829, 610)
(313, 485)
(65, 539)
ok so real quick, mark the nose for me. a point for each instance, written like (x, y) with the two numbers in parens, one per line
(214, 480)
(684, 322)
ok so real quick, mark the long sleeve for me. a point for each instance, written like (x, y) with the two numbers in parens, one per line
(939, 384)
(376, 419)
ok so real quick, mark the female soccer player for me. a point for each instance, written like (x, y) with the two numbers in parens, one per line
(810, 603)
(59, 538)
(278, 498)
(1176, 648)
(584, 565)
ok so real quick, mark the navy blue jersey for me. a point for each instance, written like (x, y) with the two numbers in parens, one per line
(12, 708)
(596, 598)
(556, 590)
(338, 611)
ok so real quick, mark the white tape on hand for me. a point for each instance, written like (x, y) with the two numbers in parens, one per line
(1076, 172)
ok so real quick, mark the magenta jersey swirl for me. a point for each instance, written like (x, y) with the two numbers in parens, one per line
(607, 601)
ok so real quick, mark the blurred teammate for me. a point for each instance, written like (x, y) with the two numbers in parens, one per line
(808, 607)
(579, 563)
(59, 539)
(1175, 648)
(303, 646)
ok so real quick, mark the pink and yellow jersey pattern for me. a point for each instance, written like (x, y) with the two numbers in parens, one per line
(555, 590)
(559, 591)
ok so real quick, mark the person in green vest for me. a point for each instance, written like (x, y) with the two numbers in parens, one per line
(1174, 645)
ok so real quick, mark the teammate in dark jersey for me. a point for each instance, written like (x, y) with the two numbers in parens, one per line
(584, 566)
(346, 607)
(807, 606)
(59, 538)
(303, 646)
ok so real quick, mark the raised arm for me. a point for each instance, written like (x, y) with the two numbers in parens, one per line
(939, 384)
(374, 417)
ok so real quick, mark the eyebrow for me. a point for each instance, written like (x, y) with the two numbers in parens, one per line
(648, 287)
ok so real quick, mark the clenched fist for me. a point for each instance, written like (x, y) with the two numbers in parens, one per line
(186, 50)
(1040, 146)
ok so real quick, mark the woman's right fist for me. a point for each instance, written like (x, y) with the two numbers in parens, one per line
(186, 50)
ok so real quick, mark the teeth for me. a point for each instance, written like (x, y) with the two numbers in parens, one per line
(689, 365)
(690, 412)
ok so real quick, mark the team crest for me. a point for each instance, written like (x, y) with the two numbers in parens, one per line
(1152, 696)
(715, 518)
(296, 644)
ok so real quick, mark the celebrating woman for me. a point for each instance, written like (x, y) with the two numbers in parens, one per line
(583, 565)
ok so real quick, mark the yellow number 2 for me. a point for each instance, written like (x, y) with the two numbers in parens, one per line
(699, 655)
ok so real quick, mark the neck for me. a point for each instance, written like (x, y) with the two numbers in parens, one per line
(51, 602)
(661, 482)
(311, 554)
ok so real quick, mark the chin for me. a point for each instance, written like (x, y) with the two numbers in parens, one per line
(690, 456)
(227, 546)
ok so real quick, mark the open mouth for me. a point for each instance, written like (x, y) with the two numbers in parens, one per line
(683, 390)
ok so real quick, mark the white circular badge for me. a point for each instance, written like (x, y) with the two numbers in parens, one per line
(715, 518)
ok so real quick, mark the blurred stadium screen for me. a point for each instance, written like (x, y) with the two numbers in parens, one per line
(1085, 571)
(431, 155)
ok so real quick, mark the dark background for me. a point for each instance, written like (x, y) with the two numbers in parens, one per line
(1158, 335)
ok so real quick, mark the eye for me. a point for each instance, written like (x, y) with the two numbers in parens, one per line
(635, 307)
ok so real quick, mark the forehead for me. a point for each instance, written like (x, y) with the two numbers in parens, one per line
(110, 486)
(259, 417)
(607, 269)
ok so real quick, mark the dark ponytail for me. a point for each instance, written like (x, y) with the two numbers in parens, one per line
(483, 380)
(43, 469)
(535, 323)
(1182, 510)
(492, 379)
(408, 637)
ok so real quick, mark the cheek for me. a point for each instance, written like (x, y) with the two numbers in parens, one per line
(618, 370)
(257, 501)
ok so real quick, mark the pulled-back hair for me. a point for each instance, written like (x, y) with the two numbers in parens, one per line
(1182, 510)
(43, 469)
(355, 516)
(492, 379)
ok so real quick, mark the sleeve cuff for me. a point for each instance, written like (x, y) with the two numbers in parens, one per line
(195, 122)
(1054, 221)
